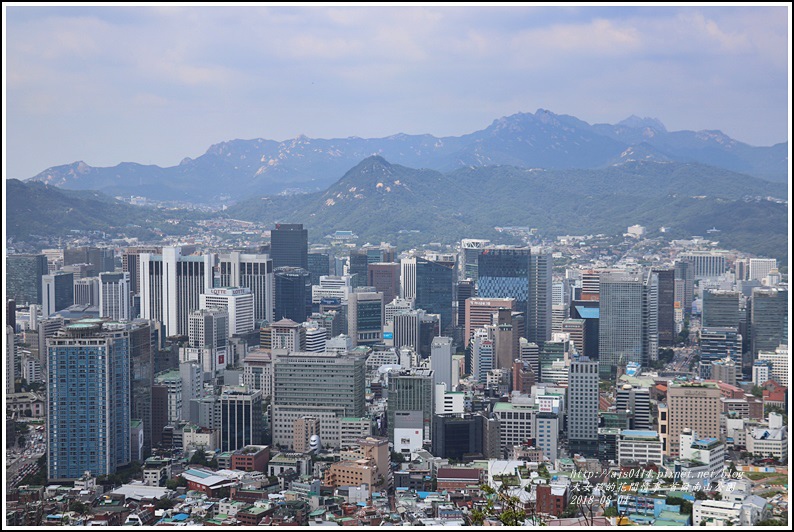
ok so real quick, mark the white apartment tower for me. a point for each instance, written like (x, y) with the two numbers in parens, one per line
(253, 271)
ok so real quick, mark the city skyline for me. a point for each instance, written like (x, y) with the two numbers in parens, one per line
(156, 84)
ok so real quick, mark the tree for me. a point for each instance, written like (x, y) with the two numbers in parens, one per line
(511, 513)
(164, 504)
(199, 457)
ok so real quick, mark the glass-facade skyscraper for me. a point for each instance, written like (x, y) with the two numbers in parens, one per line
(23, 278)
(769, 319)
(434, 290)
(88, 414)
(504, 273)
(293, 294)
(289, 246)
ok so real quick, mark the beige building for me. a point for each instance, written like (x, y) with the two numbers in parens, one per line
(303, 429)
(350, 473)
(692, 405)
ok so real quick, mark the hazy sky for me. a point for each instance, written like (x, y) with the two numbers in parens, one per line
(156, 84)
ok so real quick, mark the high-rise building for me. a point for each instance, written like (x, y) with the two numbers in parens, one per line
(408, 278)
(692, 405)
(529, 352)
(286, 334)
(99, 259)
(479, 312)
(86, 291)
(254, 272)
(11, 362)
(466, 436)
(289, 246)
(324, 385)
(583, 406)
(760, 268)
(769, 319)
(319, 265)
(636, 402)
(115, 296)
(293, 293)
(434, 288)
(410, 404)
(505, 272)
(208, 338)
(576, 331)
(464, 289)
(237, 302)
(441, 361)
(385, 277)
(684, 285)
(357, 268)
(380, 253)
(397, 306)
(240, 417)
(780, 364)
(720, 309)
(482, 355)
(666, 300)
(23, 278)
(627, 320)
(171, 285)
(717, 343)
(538, 315)
(131, 263)
(171, 380)
(365, 317)
(57, 292)
(88, 414)
(706, 264)
(415, 329)
(469, 250)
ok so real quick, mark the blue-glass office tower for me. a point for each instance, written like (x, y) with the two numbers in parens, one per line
(319, 265)
(504, 273)
(435, 290)
(23, 278)
(88, 414)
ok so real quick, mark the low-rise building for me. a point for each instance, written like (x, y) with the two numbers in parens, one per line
(156, 471)
(771, 440)
(251, 458)
(639, 446)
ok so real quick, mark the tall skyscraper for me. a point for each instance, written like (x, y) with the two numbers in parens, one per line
(57, 292)
(237, 302)
(365, 317)
(385, 277)
(415, 329)
(240, 417)
(720, 308)
(115, 296)
(208, 338)
(684, 285)
(706, 264)
(23, 278)
(86, 291)
(538, 315)
(11, 362)
(693, 406)
(88, 414)
(408, 278)
(434, 288)
(769, 319)
(667, 334)
(131, 263)
(357, 268)
(293, 293)
(410, 403)
(636, 403)
(464, 290)
(441, 361)
(583, 406)
(319, 265)
(254, 271)
(760, 268)
(327, 386)
(171, 285)
(99, 259)
(482, 355)
(480, 310)
(470, 249)
(505, 272)
(289, 246)
(627, 320)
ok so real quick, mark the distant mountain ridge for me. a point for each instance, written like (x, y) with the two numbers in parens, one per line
(237, 169)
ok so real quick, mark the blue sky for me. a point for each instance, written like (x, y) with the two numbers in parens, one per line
(156, 84)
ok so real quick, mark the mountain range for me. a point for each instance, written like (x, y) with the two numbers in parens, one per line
(238, 169)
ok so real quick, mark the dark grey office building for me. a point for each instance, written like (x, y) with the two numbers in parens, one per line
(99, 259)
(467, 437)
(289, 246)
(666, 302)
(293, 294)
(434, 290)
(319, 265)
